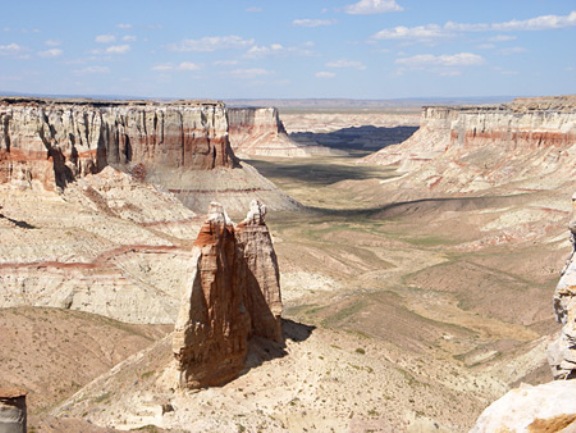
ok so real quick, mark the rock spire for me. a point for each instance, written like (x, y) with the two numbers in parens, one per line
(233, 294)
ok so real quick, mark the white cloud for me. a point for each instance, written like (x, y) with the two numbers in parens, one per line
(212, 43)
(258, 51)
(184, 66)
(226, 62)
(544, 22)
(92, 70)
(460, 59)
(105, 39)
(254, 10)
(249, 73)
(52, 43)
(343, 63)
(10, 49)
(502, 38)
(306, 22)
(53, 52)
(429, 31)
(370, 7)
(129, 38)
(124, 26)
(513, 50)
(118, 49)
(163, 68)
(188, 66)
(324, 74)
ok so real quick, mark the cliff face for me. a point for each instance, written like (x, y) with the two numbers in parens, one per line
(233, 294)
(548, 407)
(473, 148)
(57, 141)
(260, 132)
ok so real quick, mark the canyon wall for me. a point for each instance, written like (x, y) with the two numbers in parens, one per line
(258, 131)
(547, 407)
(181, 146)
(56, 141)
(472, 148)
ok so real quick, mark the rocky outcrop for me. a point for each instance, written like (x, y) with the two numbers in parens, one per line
(475, 147)
(562, 352)
(56, 141)
(233, 294)
(12, 410)
(549, 407)
(258, 131)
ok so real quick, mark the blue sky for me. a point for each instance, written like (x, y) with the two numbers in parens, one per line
(223, 49)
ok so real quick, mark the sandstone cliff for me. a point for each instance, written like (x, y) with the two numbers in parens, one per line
(475, 148)
(182, 146)
(233, 294)
(549, 407)
(256, 131)
(56, 141)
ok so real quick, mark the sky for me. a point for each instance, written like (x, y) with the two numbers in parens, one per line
(250, 49)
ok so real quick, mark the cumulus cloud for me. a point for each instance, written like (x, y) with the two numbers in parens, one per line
(184, 66)
(93, 70)
(118, 49)
(10, 49)
(52, 43)
(370, 7)
(324, 74)
(343, 63)
(249, 73)
(105, 39)
(429, 31)
(212, 43)
(53, 52)
(306, 22)
(460, 59)
(259, 51)
(124, 26)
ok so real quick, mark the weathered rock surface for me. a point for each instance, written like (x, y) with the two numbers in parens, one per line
(56, 141)
(12, 410)
(108, 245)
(549, 407)
(181, 146)
(256, 131)
(474, 148)
(562, 352)
(233, 294)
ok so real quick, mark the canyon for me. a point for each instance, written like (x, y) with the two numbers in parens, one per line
(417, 263)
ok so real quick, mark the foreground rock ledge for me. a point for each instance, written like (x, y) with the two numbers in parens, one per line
(233, 295)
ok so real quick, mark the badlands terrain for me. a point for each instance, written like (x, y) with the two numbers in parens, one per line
(417, 278)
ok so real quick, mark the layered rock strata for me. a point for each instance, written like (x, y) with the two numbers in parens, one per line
(56, 141)
(562, 352)
(258, 131)
(233, 294)
(12, 410)
(472, 148)
(548, 407)
(182, 146)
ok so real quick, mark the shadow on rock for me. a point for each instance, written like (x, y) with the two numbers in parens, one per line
(262, 349)
(358, 140)
(17, 223)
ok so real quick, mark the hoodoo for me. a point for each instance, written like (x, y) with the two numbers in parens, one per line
(233, 294)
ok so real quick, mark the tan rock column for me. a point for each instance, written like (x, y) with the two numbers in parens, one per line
(12, 410)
